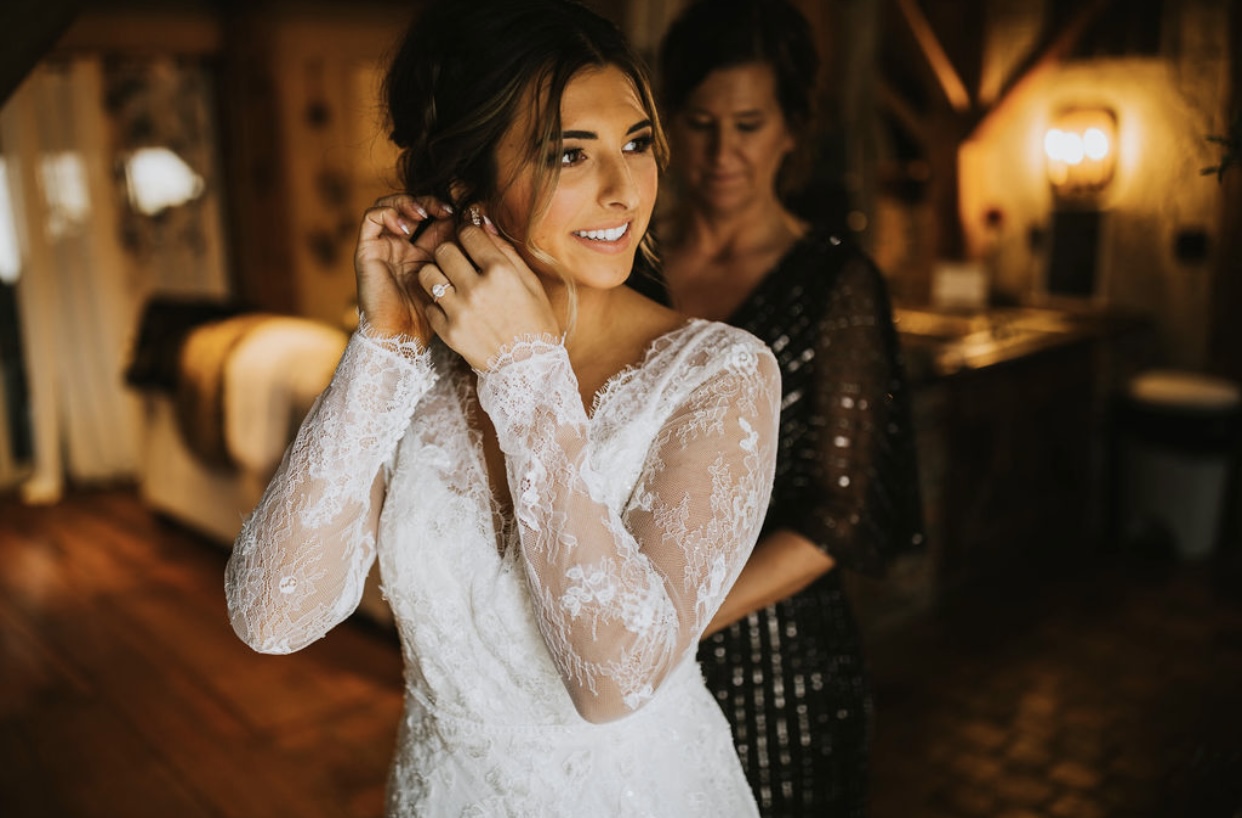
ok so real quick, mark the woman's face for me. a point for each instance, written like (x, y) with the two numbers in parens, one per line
(731, 137)
(601, 204)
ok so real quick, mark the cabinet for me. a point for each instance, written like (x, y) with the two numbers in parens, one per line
(1020, 473)
(1012, 455)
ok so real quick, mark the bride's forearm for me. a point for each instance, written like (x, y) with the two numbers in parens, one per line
(298, 565)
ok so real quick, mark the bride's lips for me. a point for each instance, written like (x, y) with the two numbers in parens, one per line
(604, 241)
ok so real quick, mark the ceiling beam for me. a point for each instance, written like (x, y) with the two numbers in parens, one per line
(901, 109)
(1059, 47)
(31, 28)
(946, 75)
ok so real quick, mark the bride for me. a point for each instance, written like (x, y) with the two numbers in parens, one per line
(560, 479)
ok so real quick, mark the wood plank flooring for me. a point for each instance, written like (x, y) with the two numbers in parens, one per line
(1109, 692)
(124, 692)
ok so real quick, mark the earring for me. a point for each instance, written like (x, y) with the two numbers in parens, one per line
(476, 218)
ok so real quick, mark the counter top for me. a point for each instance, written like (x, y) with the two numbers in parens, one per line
(940, 343)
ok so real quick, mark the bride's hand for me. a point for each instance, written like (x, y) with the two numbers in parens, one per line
(484, 295)
(387, 262)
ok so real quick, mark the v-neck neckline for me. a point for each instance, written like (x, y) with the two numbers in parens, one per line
(503, 517)
(650, 352)
(773, 276)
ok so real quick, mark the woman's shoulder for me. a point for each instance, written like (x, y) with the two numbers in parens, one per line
(710, 365)
(717, 347)
(827, 259)
(825, 244)
(708, 331)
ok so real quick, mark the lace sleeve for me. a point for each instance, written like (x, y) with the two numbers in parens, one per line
(623, 597)
(299, 564)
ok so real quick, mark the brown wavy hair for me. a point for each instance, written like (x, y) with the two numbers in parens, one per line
(460, 79)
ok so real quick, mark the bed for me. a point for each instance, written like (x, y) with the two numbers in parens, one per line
(224, 390)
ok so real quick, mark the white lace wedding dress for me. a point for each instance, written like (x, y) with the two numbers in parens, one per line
(549, 648)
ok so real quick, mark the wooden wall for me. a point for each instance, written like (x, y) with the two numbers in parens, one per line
(302, 141)
(307, 151)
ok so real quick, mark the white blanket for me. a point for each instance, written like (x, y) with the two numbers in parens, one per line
(271, 378)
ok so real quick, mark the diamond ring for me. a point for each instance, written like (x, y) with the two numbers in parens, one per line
(438, 291)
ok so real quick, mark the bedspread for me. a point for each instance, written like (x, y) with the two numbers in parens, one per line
(240, 381)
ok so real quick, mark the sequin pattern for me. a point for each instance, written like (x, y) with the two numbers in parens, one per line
(791, 679)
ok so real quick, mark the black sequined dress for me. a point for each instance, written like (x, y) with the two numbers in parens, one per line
(791, 678)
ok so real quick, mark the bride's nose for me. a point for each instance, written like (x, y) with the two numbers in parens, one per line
(618, 188)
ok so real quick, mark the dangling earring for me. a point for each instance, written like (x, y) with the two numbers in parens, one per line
(476, 218)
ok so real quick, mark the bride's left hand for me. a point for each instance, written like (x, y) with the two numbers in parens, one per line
(489, 295)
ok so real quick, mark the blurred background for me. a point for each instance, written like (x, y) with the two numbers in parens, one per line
(1050, 187)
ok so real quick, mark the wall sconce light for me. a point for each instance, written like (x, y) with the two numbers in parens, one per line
(157, 179)
(1081, 148)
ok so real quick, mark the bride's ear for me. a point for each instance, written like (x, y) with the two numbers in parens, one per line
(475, 212)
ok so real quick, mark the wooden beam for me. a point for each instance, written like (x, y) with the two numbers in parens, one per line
(31, 28)
(250, 135)
(946, 75)
(137, 31)
(901, 109)
(1059, 47)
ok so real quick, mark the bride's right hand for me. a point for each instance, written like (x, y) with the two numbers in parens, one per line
(386, 262)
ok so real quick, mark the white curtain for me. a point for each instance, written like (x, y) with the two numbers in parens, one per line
(81, 287)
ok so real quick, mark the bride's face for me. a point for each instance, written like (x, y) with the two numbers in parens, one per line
(601, 201)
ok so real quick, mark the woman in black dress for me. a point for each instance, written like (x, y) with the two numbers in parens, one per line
(784, 656)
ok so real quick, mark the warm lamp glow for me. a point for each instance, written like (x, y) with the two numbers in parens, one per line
(1079, 147)
(159, 179)
(1095, 144)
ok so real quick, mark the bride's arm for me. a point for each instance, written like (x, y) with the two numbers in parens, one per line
(299, 564)
(623, 598)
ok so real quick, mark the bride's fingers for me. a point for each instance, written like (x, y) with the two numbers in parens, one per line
(430, 235)
(417, 208)
(435, 286)
(450, 258)
(379, 219)
(425, 212)
(487, 249)
(405, 216)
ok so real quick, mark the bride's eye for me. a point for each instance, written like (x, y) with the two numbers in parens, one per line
(571, 157)
(639, 144)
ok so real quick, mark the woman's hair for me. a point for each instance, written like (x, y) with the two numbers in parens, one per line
(713, 34)
(464, 72)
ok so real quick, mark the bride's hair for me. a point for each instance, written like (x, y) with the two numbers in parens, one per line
(461, 77)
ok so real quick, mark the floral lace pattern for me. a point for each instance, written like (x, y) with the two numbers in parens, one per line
(549, 649)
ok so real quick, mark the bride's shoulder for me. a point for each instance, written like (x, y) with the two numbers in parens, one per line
(708, 332)
(721, 347)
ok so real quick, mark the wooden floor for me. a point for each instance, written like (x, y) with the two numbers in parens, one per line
(124, 692)
(1107, 693)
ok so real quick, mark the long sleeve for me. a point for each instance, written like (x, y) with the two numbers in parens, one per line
(300, 562)
(623, 596)
(852, 485)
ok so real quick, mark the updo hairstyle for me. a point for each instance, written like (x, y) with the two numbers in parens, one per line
(464, 71)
